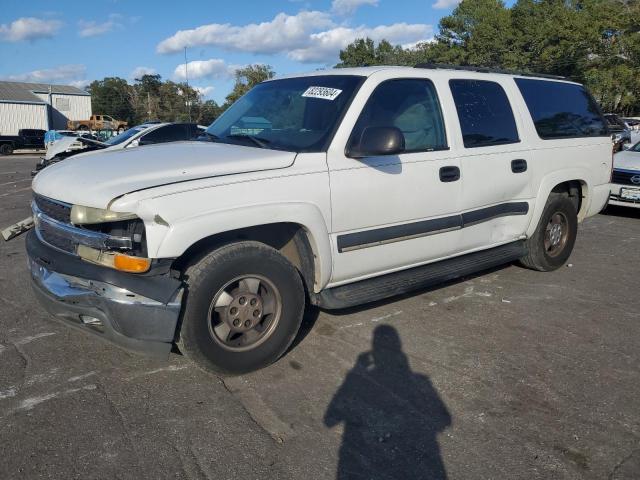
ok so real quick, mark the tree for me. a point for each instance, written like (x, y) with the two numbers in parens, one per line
(112, 96)
(208, 112)
(246, 78)
(596, 42)
(364, 52)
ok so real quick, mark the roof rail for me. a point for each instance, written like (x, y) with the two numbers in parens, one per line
(469, 68)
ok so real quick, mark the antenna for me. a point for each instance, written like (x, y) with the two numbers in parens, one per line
(186, 77)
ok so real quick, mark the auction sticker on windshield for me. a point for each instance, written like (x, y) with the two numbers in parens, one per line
(326, 93)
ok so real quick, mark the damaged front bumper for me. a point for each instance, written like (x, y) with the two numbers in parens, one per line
(135, 312)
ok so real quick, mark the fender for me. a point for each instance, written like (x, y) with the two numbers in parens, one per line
(547, 184)
(182, 234)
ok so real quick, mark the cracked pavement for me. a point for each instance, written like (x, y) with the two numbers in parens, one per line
(508, 374)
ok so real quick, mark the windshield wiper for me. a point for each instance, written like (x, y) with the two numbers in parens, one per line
(260, 142)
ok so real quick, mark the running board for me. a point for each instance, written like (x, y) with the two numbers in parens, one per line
(425, 276)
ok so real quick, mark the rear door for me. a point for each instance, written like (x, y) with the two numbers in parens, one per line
(495, 163)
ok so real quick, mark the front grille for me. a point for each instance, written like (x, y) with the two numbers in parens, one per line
(56, 238)
(51, 208)
(623, 177)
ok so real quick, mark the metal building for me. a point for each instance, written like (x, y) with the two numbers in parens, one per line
(41, 106)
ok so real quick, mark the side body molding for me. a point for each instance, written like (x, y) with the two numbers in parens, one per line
(187, 231)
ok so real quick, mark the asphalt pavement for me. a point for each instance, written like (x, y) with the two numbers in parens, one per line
(509, 374)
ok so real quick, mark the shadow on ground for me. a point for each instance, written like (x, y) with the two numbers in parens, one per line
(391, 416)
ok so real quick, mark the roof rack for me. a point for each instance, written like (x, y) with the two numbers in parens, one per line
(442, 66)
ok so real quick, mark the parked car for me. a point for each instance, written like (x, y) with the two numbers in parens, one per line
(632, 123)
(144, 134)
(625, 188)
(340, 187)
(98, 122)
(52, 136)
(27, 139)
(621, 134)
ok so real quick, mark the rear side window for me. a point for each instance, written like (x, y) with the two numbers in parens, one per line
(561, 110)
(410, 105)
(484, 112)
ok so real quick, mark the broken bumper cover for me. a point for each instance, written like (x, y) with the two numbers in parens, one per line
(114, 313)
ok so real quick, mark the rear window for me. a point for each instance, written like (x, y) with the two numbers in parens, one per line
(484, 113)
(562, 110)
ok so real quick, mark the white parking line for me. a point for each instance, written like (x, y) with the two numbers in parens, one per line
(16, 181)
(16, 191)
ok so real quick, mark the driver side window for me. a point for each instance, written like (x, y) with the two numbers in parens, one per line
(412, 106)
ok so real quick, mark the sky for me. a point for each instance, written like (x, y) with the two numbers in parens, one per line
(67, 42)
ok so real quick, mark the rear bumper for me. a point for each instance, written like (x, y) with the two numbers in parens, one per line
(116, 314)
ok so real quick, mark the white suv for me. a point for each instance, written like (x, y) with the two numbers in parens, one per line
(335, 188)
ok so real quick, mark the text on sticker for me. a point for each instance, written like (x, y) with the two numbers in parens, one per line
(326, 93)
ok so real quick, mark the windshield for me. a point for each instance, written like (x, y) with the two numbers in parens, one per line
(126, 135)
(293, 114)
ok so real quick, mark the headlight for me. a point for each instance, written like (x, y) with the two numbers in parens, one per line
(86, 215)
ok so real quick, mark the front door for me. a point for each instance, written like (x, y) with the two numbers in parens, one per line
(393, 212)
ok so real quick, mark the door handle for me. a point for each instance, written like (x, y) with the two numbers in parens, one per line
(519, 165)
(449, 174)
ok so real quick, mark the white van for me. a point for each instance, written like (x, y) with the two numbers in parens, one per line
(335, 188)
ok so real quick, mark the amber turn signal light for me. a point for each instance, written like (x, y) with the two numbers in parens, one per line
(129, 264)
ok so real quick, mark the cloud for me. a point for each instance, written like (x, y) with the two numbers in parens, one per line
(92, 28)
(348, 7)
(204, 91)
(325, 46)
(139, 72)
(29, 28)
(81, 84)
(444, 4)
(213, 68)
(280, 34)
(69, 74)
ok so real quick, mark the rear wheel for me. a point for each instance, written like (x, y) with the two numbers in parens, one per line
(243, 308)
(6, 149)
(552, 243)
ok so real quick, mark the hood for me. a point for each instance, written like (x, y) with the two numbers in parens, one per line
(96, 179)
(627, 160)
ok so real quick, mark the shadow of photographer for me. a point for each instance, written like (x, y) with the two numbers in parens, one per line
(391, 416)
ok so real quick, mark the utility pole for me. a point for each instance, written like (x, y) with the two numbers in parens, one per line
(149, 106)
(186, 77)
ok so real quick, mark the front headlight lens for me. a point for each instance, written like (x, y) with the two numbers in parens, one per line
(87, 215)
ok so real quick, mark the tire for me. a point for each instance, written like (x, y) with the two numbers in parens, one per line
(217, 285)
(6, 149)
(550, 247)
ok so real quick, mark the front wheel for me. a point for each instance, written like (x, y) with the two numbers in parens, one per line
(552, 242)
(243, 308)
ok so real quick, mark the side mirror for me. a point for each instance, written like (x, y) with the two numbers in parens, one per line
(377, 141)
(135, 143)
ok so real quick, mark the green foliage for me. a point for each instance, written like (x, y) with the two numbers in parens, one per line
(596, 42)
(246, 79)
(151, 98)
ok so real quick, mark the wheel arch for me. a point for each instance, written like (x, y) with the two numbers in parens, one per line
(298, 231)
(574, 183)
